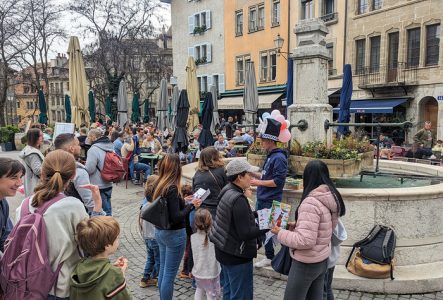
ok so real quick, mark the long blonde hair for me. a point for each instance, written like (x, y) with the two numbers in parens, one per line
(210, 158)
(169, 173)
(57, 169)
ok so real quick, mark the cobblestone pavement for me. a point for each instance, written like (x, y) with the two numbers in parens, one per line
(126, 203)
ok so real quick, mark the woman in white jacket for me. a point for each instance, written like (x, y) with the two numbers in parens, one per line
(33, 159)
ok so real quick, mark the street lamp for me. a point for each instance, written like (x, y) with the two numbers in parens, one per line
(278, 42)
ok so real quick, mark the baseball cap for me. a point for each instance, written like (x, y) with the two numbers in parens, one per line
(237, 166)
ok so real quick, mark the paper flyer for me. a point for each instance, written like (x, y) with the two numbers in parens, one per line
(263, 218)
(279, 214)
(201, 194)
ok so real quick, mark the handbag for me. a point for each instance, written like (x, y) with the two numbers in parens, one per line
(281, 263)
(365, 268)
(157, 213)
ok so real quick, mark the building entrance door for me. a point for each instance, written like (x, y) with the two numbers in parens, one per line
(429, 112)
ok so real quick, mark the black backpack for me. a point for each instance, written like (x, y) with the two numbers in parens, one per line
(378, 246)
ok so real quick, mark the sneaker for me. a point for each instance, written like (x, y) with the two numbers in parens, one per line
(183, 275)
(144, 283)
(136, 182)
(152, 282)
(266, 262)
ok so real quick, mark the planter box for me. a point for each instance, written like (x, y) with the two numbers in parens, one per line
(256, 159)
(338, 168)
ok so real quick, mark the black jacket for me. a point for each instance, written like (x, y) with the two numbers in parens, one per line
(235, 232)
(177, 208)
(215, 183)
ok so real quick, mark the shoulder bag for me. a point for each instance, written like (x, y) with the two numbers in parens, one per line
(281, 263)
(157, 213)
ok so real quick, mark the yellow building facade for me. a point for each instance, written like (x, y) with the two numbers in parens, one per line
(250, 30)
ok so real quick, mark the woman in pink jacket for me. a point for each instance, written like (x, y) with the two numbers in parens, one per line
(309, 238)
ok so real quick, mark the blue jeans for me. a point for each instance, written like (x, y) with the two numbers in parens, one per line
(172, 245)
(152, 265)
(105, 194)
(269, 247)
(52, 297)
(238, 282)
(137, 167)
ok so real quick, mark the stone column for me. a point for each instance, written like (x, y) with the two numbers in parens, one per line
(310, 96)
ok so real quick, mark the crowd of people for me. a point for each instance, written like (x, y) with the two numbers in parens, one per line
(216, 239)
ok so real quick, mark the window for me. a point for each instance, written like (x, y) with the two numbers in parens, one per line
(275, 12)
(432, 44)
(360, 56)
(203, 83)
(253, 18)
(328, 7)
(18, 104)
(52, 88)
(59, 117)
(52, 100)
(377, 4)
(26, 89)
(413, 54)
(268, 65)
(53, 115)
(363, 6)
(375, 54)
(261, 17)
(331, 70)
(393, 50)
(307, 8)
(199, 22)
(202, 53)
(240, 68)
(62, 101)
(239, 23)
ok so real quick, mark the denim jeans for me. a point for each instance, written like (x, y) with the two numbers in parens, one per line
(327, 290)
(105, 194)
(172, 245)
(52, 297)
(306, 281)
(152, 265)
(269, 247)
(137, 167)
(238, 282)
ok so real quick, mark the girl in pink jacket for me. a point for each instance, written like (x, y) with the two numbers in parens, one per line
(309, 238)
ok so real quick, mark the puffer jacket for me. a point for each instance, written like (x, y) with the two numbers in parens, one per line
(33, 160)
(310, 242)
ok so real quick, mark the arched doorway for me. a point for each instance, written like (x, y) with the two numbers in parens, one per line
(428, 111)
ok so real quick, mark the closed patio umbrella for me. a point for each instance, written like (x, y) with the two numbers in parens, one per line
(174, 102)
(250, 95)
(162, 106)
(135, 116)
(344, 114)
(122, 104)
(205, 138)
(108, 106)
(290, 84)
(77, 83)
(68, 112)
(193, 93)
(43, 116)
(180, 140)
(91, 106)
(215, 116)
(146, 111)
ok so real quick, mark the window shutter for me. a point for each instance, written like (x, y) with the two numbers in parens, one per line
(191, 51)
(202, 83)
(210, 80)
(221, 83)
(191, 24)
(208, 19)
(208, 52)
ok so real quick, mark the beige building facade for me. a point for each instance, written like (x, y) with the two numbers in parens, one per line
(58, 80)
(395, 50)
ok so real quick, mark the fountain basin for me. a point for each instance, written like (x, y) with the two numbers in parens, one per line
(416, 215)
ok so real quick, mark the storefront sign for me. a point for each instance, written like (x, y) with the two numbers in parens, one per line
(439, 97)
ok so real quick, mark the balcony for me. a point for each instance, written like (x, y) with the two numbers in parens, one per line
(379, 77)
(330, 17)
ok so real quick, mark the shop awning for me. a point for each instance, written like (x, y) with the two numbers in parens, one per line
(374, 106)
(264, 102)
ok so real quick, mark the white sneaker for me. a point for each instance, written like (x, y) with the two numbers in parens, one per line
(266, 262)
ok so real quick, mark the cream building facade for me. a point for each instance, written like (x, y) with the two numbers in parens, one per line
(395, 50)
(58, 80)
(198, 32)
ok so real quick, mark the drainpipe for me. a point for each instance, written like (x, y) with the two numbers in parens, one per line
(345, 34)
(289, 26)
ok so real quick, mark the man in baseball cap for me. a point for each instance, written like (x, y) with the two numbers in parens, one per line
(238, 166)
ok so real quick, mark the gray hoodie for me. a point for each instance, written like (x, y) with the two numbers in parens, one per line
(82, 178)
(33, 160)
(96, 159)
(338, 236)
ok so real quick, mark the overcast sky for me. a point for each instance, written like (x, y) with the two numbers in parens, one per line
(71, 21)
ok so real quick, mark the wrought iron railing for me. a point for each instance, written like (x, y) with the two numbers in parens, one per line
(402, 74)
(329, 17)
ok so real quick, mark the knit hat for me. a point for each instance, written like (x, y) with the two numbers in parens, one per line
(272, 130)
(237, 166)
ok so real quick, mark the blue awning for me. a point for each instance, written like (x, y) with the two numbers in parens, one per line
(374, 106)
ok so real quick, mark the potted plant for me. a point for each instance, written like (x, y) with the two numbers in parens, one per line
(5, 137)
(256, 155)
(199, 29)
(345, 157)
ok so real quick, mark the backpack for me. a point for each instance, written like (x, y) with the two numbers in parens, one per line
(25, 268)
(376, 248)
(113, 168)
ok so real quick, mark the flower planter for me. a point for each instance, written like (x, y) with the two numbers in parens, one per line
(256, 159)
(338, 168)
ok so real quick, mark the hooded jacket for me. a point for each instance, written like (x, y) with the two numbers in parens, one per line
(96, 159)
(275, 168)
(310, 242)
(33, 160)
(97, 279)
